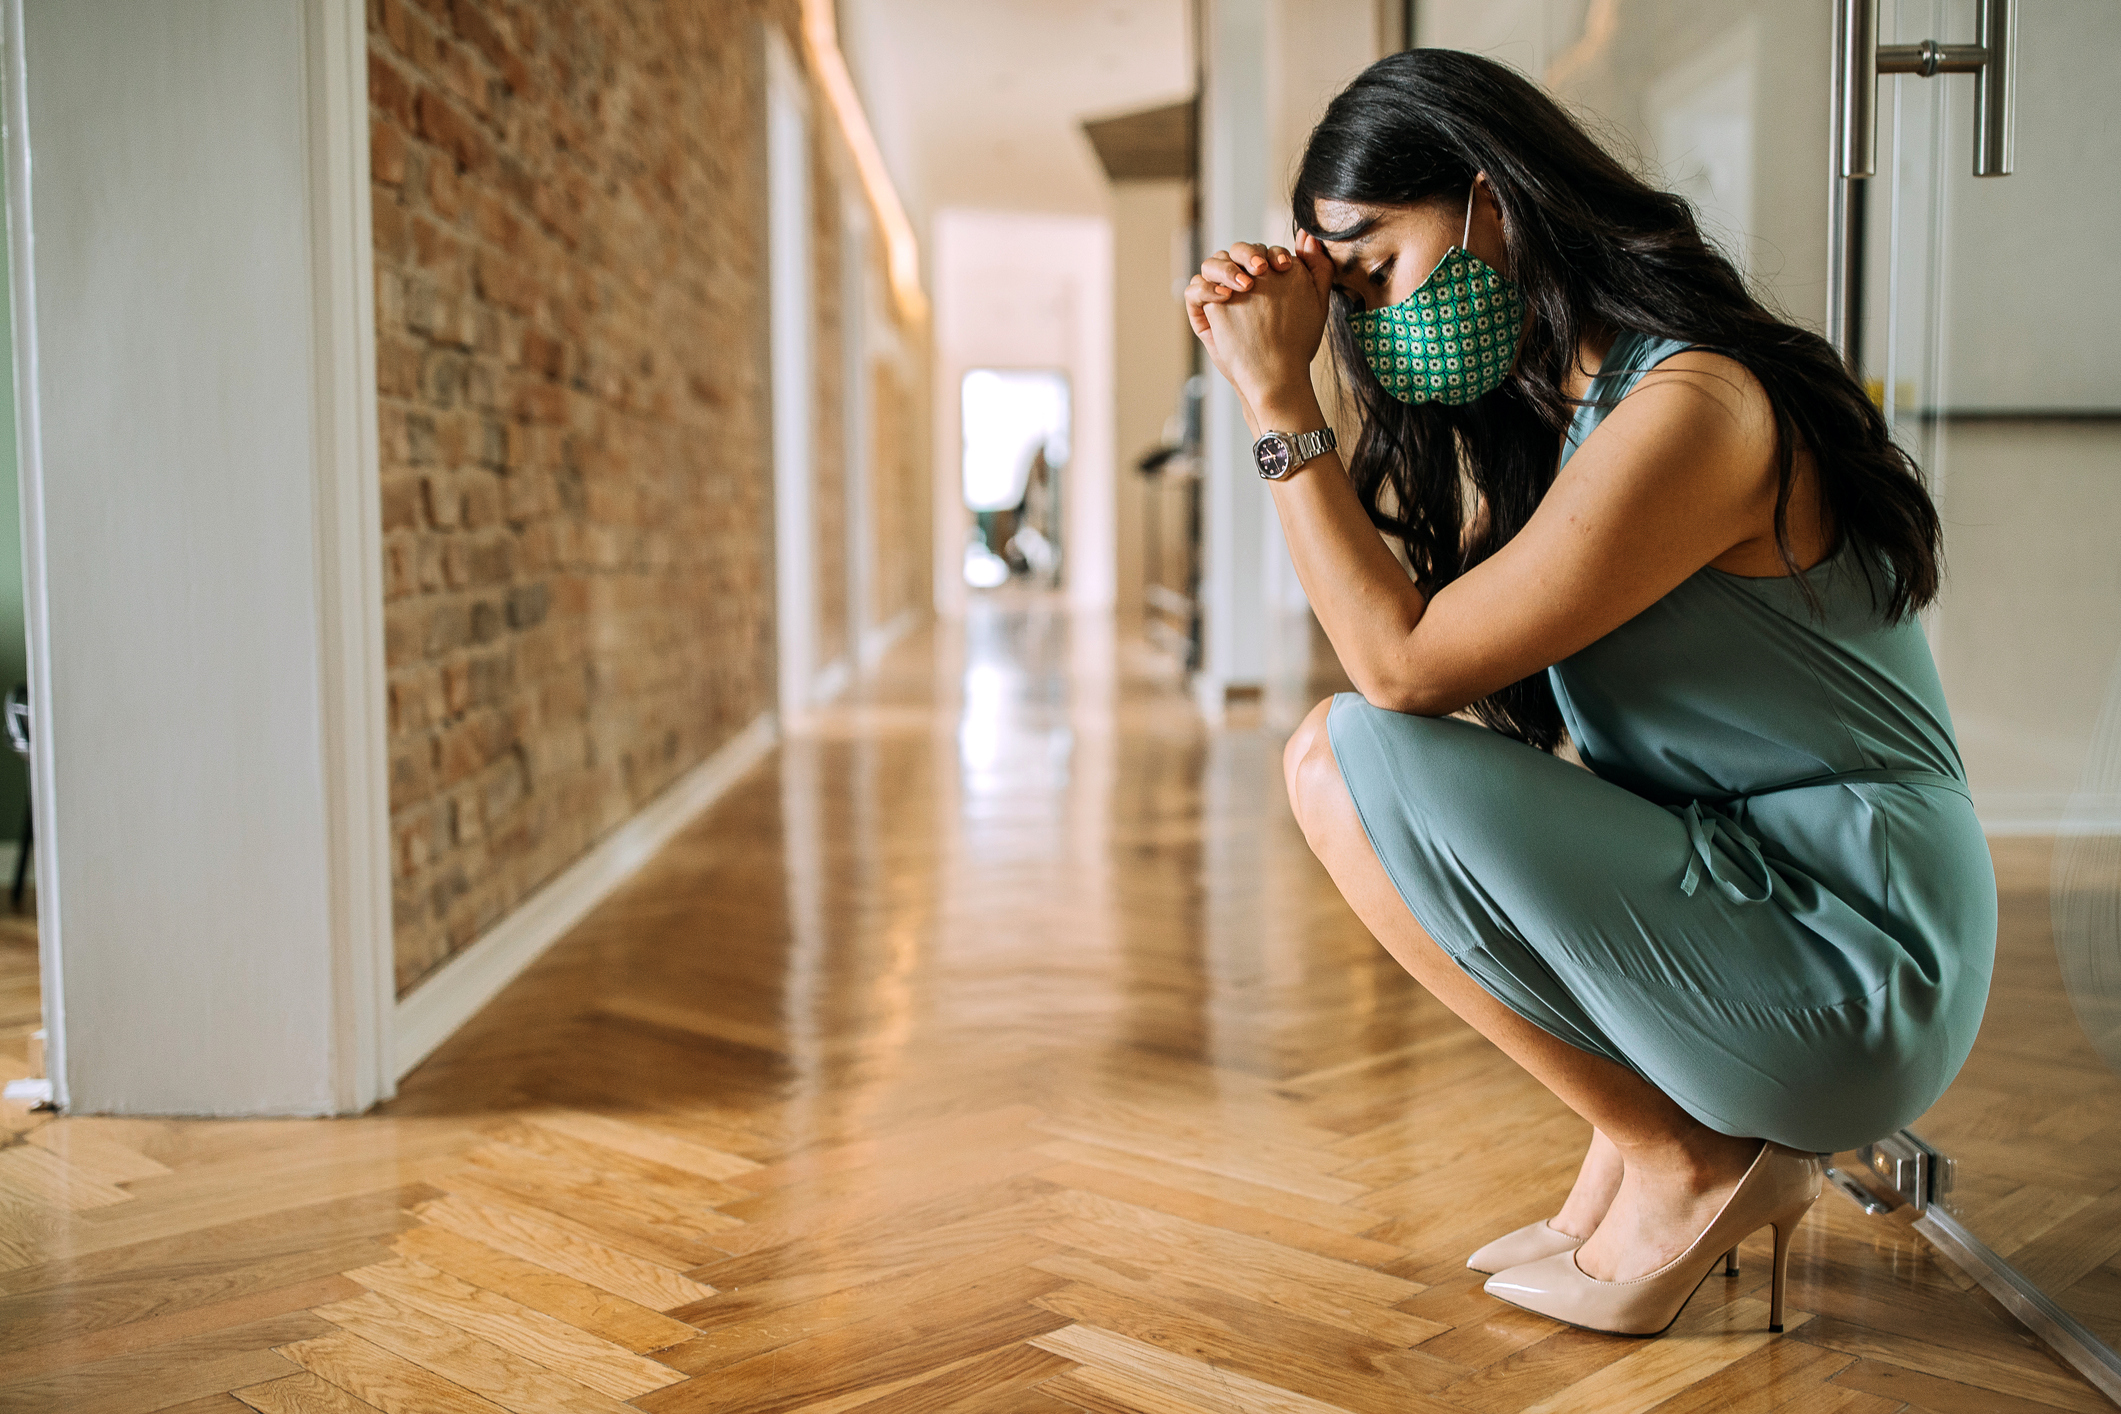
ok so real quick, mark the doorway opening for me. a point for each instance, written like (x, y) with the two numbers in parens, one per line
(1015, 427)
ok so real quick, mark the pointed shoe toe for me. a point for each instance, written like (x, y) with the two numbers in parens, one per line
(1776, 1191)
(1557, 1288)
(1528, 1244)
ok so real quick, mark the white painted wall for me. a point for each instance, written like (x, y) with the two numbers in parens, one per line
(1016, 290)
(1723, 101)
(190, 250)
(789, 277)
(1152, 348)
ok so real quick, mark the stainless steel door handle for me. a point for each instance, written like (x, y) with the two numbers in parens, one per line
(1861, 59)
(1858, 61)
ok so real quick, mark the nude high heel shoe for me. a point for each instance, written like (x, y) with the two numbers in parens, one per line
(1542, 1239)
(1528, 1244)
(1777, 1191)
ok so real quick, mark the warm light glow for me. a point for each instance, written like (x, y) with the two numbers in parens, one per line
(902, 253)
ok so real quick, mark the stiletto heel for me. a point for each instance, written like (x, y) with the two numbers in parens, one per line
(1730, 1263)
(1783, 1233)
(1776, 1191)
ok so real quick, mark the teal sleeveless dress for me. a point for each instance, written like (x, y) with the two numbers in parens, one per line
(1769, 895)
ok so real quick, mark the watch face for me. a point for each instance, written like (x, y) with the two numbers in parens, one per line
(1272, 454)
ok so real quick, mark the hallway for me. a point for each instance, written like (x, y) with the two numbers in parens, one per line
(996, 1046)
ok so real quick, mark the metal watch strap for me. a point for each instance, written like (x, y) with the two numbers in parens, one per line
(1312, 444)
(1279, 454)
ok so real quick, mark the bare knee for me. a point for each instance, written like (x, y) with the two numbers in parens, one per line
(1308, 768)
(1307, 734)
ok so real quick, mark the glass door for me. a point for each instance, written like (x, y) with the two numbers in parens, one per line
(1986, 316)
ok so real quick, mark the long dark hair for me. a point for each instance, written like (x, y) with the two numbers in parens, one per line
(1592, 247)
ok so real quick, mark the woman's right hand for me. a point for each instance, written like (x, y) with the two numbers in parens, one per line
(1223, 276)
(1260, 312)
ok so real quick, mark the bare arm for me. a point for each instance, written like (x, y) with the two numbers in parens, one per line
(1677, 477)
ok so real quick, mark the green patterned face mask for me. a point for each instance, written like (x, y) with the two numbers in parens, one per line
(1450, 341)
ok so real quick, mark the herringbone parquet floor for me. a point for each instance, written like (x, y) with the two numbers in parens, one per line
(999, 1048)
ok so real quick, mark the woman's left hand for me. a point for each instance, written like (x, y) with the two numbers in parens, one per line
(1260, 311)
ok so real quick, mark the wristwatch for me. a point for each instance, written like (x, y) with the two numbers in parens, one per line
(1280, 453)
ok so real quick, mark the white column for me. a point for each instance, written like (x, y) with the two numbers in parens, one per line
(1272, 66)
(789, 279)
(1235, 510)
(195, 321)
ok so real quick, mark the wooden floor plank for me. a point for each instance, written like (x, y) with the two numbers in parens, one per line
(1093, 1254)
(33, 1175)
(1706, 1338)
(1931, 1393)
(758, 1319)
(534, 1239)
(140, 1381)
(30, 1362)
(1116, 1361)
(164, 1293)
(977, 1385)
(2025, 1373)
(1296, 1207)
(903, 1345)
(533, 1335)
(643, 1143)
(588, 1308)
(375, 1376)
(464, 1359)
(301, 1393)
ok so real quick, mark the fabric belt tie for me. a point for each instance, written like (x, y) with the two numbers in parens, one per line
(1707, 823)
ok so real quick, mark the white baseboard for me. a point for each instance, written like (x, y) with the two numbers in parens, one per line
(448, 999)
(877, 641)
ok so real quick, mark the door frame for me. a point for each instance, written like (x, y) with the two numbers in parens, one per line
(342, 952)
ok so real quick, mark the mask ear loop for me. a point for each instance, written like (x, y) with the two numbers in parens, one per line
(1467, 233)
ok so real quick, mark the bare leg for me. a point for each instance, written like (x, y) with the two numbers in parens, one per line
(1596, 1183)
(1676, 1171)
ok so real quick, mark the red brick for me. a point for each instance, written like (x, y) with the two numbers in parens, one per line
(386, 152)
(439, 499)
(401, 503)
(389, 17)
(540, 402)
(432, 246)
(447, 127)
(397, 367)
(542, 354)
(456, 688)
(388, 90)
(388, 221)
(507, 284)
(444, 192)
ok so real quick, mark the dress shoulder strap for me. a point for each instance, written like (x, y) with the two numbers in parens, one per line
(1631, 356)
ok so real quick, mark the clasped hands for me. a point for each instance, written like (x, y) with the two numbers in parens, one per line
(1260, 311)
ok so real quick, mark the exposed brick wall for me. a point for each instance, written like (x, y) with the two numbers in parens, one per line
(828, 491)
(577, 483)
(902, 488)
